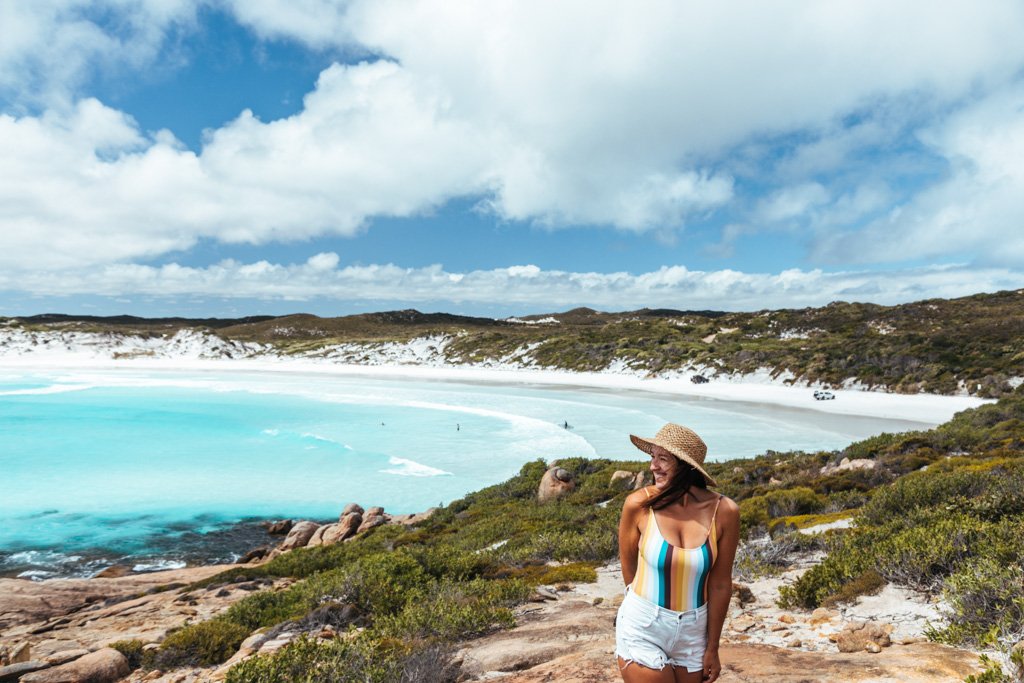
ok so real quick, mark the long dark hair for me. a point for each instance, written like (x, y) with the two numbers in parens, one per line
(686, 478)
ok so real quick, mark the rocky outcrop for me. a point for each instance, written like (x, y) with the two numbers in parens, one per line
(409, 520)
(555, 483)
(372, 520)
(299, 536)
(354, 520)
(103, 666)
(847, 464)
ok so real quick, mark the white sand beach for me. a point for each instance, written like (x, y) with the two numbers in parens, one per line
(927, 409)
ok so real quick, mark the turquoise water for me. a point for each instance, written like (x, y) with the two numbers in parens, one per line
(119, 464)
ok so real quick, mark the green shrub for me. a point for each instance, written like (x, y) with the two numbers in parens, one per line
(202, 644)
(985, 600)
(867, 583)
(454, 611)
(132, 651)
(360, 660)
(795, 501)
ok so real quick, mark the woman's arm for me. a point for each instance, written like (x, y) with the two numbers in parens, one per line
(629, 535)
(720, 583)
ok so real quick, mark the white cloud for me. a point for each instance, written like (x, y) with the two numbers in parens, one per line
(791, 202)
(319, 23)
(49, 48)
(516, 288)
(87, 187)
(562, 113)
(978, 210)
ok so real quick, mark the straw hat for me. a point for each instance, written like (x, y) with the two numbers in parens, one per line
(681, 442)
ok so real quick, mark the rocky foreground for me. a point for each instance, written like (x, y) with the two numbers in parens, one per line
(58, 631)
(566, 634)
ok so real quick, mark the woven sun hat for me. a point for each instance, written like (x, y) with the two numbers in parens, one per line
(681, 442)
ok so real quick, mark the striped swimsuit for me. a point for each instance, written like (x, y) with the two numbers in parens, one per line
(672, 577)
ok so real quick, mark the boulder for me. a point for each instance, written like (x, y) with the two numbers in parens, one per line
(623, 480)
(346, 528)
(103, 666)
(299, 536)
(348, 525)
(349, 509)
(279, 528)
(865, 635)
(555, 483)
(255, 554)
(376, 510)
(14, 672)
(318, 536)
(370, 521)
(643, 479)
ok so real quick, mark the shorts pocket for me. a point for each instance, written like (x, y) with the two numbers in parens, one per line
(636, 614)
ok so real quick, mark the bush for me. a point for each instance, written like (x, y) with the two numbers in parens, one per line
(132, 651)
(795, 501)
(454, 611)
(985, 601)
(361, 660)
(202, 644)
(867, 583)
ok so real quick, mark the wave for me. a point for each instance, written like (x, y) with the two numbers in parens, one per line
(411, 468)
(52, 389)
(325, 439)
(159, 566)
(313, 436)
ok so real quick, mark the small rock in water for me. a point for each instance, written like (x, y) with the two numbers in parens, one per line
(114, 571)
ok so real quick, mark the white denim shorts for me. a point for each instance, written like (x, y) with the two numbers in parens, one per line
(653, 636)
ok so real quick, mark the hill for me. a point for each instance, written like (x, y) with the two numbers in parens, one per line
(972, 345)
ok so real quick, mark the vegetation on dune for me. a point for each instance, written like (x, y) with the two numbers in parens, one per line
(973, 344)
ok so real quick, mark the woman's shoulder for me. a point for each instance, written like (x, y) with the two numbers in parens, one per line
(728, 506)
(636, 498)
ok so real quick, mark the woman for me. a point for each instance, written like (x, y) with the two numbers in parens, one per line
(677, 542)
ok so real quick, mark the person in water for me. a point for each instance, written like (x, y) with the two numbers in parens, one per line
(677, 542)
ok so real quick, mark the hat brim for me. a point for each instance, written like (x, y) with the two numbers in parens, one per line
(647, 444)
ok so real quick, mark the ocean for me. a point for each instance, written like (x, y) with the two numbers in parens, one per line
(158, 469)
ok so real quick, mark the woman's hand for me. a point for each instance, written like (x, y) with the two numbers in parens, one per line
(712, 666)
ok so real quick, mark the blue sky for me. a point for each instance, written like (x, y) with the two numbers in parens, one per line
(224, 158)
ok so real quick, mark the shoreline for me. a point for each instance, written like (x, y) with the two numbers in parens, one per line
(926, 409)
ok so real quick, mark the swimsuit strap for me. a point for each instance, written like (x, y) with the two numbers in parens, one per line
(713, 531)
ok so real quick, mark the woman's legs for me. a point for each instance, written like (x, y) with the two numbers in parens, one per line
(683, 677)
(635, 673)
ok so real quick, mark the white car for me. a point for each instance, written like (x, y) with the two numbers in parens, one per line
(822, 395)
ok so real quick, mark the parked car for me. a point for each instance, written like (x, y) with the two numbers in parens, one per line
(698, 379)
(822, 395)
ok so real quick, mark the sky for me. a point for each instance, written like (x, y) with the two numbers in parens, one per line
(222, 158)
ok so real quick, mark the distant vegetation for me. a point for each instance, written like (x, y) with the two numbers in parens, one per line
(939, 510)
(973, 344)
